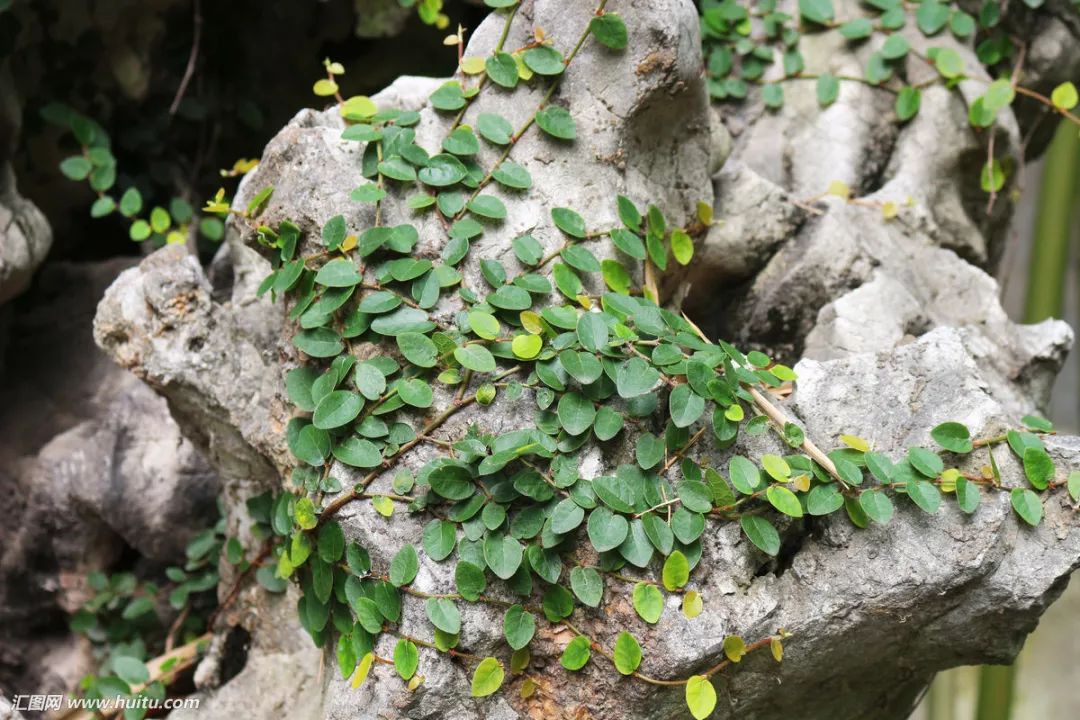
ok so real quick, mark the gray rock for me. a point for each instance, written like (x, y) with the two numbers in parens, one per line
(900, 330)
(91, 463)
(25, 237)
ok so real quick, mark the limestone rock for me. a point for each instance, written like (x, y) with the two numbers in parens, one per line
(91, 463)
(875, 613)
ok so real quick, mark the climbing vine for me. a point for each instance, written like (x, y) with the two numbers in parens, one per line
(514, 508)
(579, 340)
(742, 43)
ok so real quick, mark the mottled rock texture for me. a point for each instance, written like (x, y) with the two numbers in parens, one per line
(92, 466)
(898, 321)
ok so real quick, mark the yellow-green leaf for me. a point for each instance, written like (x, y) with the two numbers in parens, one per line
(676, 571)
(691, 604)
(325, 87)
(362, 670)
(682, 247)
(487, 678)
(734, 648)
(1064, 96)
(700, 697)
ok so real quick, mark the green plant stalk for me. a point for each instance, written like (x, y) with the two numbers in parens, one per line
(995, 692)
(1045, 298)
(1050, 250)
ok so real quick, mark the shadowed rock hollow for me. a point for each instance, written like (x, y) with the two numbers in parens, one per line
(898, 322)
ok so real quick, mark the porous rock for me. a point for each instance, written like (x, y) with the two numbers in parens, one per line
(874, 613)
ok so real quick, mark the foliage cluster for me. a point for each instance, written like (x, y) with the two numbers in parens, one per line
(743, 43)
(511, 510)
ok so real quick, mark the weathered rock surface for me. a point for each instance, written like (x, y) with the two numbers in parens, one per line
(900, 330)
(25, 235)
(91, 463)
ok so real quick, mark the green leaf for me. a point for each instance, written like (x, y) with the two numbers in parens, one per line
(442, 171)
(1038, 467)
(404, 566)
(857, 29)
(439, 539)
(461, 141)
(1037, 423)
(635, 377)
(494, 128)
(418, 349)
(470, 580)
(140, 230)
(576, 654)
(587, 585)
(817, 11)
(558, 603)
(676, 571)
(926, 462)
(338, 408)
(773, 96)
(616, 276)
(130, 202)
(502, 69)
(566, 516)
(1074, 485)
(824, 499)
(103, 206)
(406, 658)
(357, 452)
(556, 122)
(1027, 505)
(648, 602)
(130, 670)
(877, 506)
(895, 47)
(443, 614)
(949, 63)
(398, 169)
(448, 97)
(925, 495)
(932, 16)
(487, 206)
(544, 60)
(967, 495)
(953, 436)
(627, 654)
(503, 554)
(576, 413)
(510, 174)
(569, 222)
(331, 543)
(606, 529)
(828, 89)
(700, 697)
(685, 406)
(476, 358)
(609, 30)
(518, 626)
(762, 533)
(487, 678)
(1000, 94)
(592, 332)
(76, 167)
(367, 614)
(784, 500)
(744, 475)
(907, 105)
